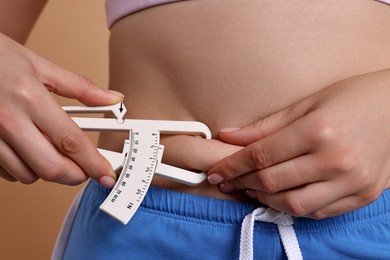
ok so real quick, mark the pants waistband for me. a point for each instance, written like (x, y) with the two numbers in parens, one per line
(231, 212)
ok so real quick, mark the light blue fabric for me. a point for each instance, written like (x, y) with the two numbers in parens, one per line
(173, 225)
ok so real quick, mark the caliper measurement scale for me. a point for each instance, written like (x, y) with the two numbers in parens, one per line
(136, 176)
(141, 156)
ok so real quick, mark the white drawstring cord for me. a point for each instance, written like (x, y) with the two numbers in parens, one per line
(286, 231)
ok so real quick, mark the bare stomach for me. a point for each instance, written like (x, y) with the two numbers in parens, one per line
(229, 63)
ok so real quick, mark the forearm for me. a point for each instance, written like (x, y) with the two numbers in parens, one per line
(17, 17)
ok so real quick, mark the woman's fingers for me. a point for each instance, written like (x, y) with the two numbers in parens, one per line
(265, 126)
(339, 207)
(283, 176)
(39, 117)
(309, 200)
(4, 174)
(12, 167)
(71, 85)
(71, 142)
(285, 144)
(39, 154)
(41, 136)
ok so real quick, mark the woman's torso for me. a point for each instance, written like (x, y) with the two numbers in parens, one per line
(229, 63)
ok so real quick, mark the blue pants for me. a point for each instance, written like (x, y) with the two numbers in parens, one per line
(173, 225)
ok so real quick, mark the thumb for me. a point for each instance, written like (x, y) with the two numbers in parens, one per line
(70, 85)
(261, 128)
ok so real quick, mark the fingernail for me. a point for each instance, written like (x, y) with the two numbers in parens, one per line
(107, 181)
(115, 93)
(214, 179)
(227, 187)
(229, 130)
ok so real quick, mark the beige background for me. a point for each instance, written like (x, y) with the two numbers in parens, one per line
(73, 34)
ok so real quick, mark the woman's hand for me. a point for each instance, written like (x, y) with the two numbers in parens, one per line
(323, 156)
(37, 138)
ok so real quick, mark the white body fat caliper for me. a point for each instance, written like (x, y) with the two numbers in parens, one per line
(141, 156)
